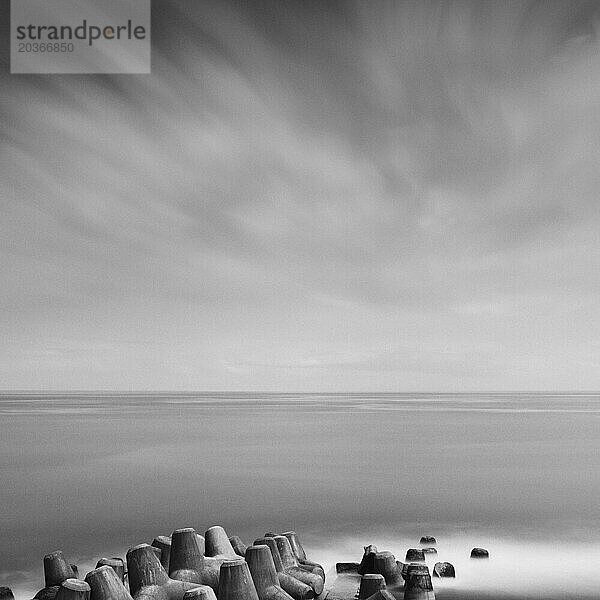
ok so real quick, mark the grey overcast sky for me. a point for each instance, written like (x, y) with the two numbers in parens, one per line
(310, 196)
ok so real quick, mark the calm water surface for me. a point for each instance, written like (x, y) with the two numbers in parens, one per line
(518, 474)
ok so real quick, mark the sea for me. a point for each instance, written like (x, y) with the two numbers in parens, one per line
(93, 474)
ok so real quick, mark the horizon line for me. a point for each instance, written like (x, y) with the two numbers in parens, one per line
(187, 391)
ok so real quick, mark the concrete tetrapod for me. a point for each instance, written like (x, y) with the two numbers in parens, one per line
(202, 592)
(418, 584)
(370, 583)
(217, 549)
(6, 593)
(235, 581)
(479, 553)
(217, 544)
(346, 584)
(201, 544)
(386, 565)
(401, 566)
(300, 554)
(106, 585)
(186, 561)
(367, 564)
(262, 568)
(73, 589)
(443, 569)
(413, 568)
(294, 587)
(381, 595)
(56, 570)
(405, 568)
(428, 540)
(118, 564)
(47, 593)
(163, 543)
(291, 566)
(238, 546)
(415, 555)
(147, 578)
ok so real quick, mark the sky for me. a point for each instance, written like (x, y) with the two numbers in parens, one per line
(310, 196)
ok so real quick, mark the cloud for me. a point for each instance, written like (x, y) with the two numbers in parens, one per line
(314, 177)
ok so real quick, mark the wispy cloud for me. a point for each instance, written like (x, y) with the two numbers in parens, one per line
(307, 179)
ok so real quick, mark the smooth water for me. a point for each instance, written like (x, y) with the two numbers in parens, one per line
(519, 474)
